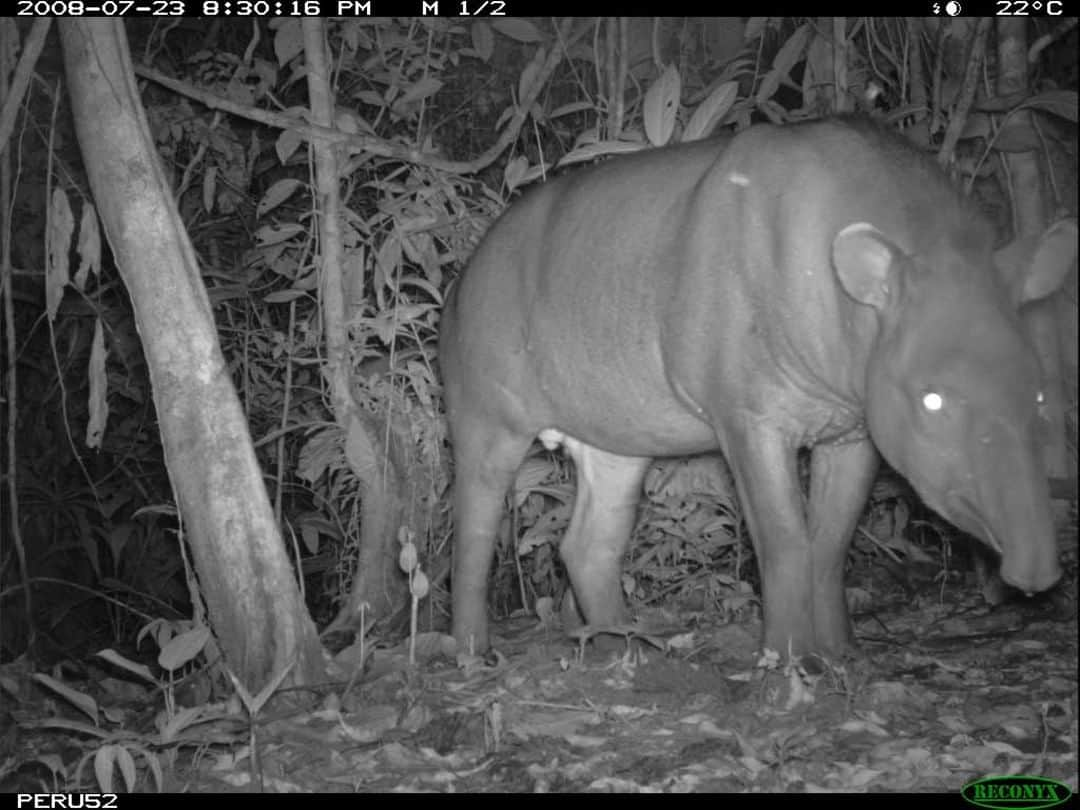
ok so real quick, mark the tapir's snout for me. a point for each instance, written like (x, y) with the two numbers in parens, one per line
(1031, 573)
(1007, 506)
(1029, 562)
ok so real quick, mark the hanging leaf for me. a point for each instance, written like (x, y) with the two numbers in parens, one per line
(515, 171)
(422, 89)
(58, 241)
(755, 27)
(288, 41)
(529, 73)
(84, 703)
(287, 143)
(1061, 103)
(273, 234)
(661, 106)
(283, 296)
(98, 403)
(516, 28)
(711, 111)
(594, 150)
(483, 39)
(104, 759)
(89, 246)
(183, 648)
(208, 186)
(786, 59)
(276, 195)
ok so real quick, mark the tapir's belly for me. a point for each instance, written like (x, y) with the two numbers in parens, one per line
(628, 408)
(624, 386)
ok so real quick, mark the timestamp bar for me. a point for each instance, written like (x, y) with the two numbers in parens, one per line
(483, 8)
(266, 8)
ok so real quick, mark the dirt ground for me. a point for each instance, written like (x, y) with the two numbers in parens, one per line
(944, 690)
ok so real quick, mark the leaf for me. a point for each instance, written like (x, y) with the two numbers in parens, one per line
(711, 111)
(387, 260)
(273, 234)
(661, 106)
(287, 143)
(594, 150)
(785, 60)
(1062, 103)
(370, 97)
(531, 474)
(319, 454)
(84, 703)
(346, 122)
(209, 184)
(1016, 135)
(424, 285)
(154, 764)
(134, 668)
(571, 108)
(105, 758)
(183, 648)
(283, 296)
(514, 172)
(58, 243)
(276, 195)
(427, 86)
(483, 39)
(185, 718)
(97, 400)
(519, 29)
(755, 27)
(310, 536)
(288, 41)
(773, 111)
(70, 725)
(89, 246)
(54, 763)
(529, 74)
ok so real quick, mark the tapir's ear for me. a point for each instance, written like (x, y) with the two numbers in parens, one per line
(864, 259)
(1034, 268)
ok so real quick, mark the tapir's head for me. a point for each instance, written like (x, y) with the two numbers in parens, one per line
(953, 387)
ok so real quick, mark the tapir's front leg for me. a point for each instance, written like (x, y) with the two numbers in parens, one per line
(841, 476)
(764, 462)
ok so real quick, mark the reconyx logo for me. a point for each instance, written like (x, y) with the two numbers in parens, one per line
(1015, 792)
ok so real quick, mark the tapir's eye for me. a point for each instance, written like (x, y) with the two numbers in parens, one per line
(933, 401)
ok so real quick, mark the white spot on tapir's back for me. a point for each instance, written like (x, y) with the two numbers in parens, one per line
(738, 179)
(551, 438)
(932, 401)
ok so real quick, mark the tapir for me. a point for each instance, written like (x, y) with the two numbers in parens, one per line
(819, 285)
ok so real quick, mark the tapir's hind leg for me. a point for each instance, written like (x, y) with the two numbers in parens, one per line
(486, 458)
(608, 490)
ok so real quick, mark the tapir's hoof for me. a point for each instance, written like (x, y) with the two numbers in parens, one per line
(569, 614)
(797, 683)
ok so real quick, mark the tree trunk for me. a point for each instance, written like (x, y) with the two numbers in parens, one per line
(247, 583)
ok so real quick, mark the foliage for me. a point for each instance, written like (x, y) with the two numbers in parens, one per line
(441, 87)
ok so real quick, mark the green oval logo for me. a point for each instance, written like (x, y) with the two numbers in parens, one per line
(1015, 792)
